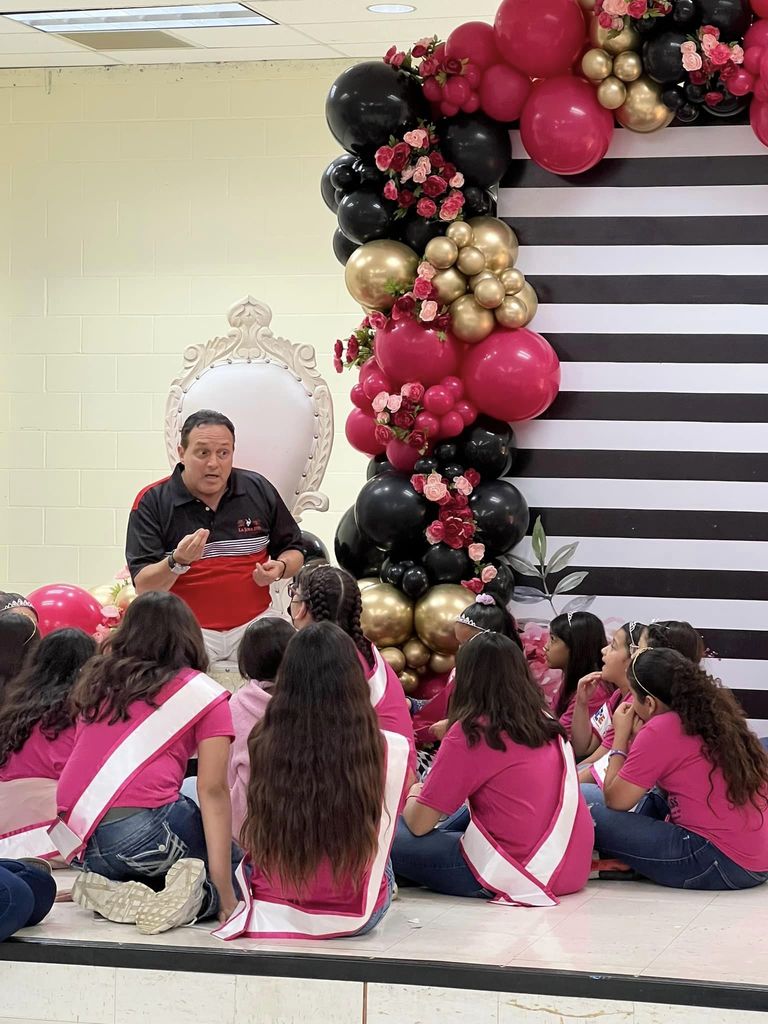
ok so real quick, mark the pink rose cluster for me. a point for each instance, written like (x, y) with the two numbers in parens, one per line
(397, 415)
(449, 84)
(612, 14)
(420, 177)
(535, 638)
(455, 523)
(716, 65)
(358, 347)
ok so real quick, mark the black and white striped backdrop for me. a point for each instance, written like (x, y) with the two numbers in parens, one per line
(652, 275)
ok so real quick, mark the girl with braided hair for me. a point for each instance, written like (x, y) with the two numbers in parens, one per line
(323, 593)
(692, 741)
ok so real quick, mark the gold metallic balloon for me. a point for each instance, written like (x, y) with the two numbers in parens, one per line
(496, 241)
(104, 594)
(416, 653)
(528, 296)
(613, 43)
(441, 664)
(489, 293)
(441, 252)
(513, 280)
(611, 93)
(450, 285)
(587, 5)
(643, 110)
(387, 618)
(368, 581)
(469, 321)
(124, 597)
(373, 268)
(394, 657)
(409, 680)
(460, 232)
(471, 261)
(596, 64)
(513, 312)
(436, 614)
(628, 66)
(475, 280)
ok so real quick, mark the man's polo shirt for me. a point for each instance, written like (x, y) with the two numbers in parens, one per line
(250, 524)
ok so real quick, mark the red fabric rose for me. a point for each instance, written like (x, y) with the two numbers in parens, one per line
(637, 8)
(475, 585)
(417, 439)
(353, 349)
(428, 67)
(406, 199)
(727, 73)
(404, 307)
(713, 99)
(697, 77)
(403, 419)
(426, 208)
(720, 55)
(435, 531)
(436, 159)
(400, 156)
(382, 434)
(413, 391)
(434, 186)
(605, 20)
(383, 157)
(453, 66)
(390, 54)
(450, 208)
(390, 190)
(377, 320)
(448, 171)
(417, 481)
(419, 51)
(422, 288)
(338, 365)
(397, 60)
(473, 476)
(338, 349)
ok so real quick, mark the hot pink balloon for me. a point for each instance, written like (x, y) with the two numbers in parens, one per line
(752, 59)
(375, 383)
(359, 398)
(454, 385)
(741, 84)
(513, 375)
(758, 118)
(760, 7)
(408, 351)
(761, 91)
(61, 605)
(429, 424)
(541, 38)
(438, 400)
(401, 456)
(474, 41)
(503, 92)
(756, 35)
(359, 430)
(451, 425)
(563, 127)
(467, 411)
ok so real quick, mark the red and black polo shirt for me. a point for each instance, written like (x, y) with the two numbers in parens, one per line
(251, 524)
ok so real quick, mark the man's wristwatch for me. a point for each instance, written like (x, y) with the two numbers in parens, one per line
(177, 568)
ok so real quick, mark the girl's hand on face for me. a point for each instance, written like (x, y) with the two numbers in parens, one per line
(624, 726)
(586, 688)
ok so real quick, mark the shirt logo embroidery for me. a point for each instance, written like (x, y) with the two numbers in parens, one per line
(249, 526)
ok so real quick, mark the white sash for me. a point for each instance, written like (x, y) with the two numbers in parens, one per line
(140, 745)
(27, 810)
(598, 769)
(378, 681)
(257, 918)
(527, 884)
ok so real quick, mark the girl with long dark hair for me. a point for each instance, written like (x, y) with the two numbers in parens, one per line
(575, 646)
(37, 734)
(692, 741)
(529, 838)
(325, 791)
(19, 636)
(675, 635)
(145, 707)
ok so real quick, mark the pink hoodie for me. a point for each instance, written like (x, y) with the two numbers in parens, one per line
(247, 706)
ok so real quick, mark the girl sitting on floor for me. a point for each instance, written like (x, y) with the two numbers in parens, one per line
(27, 893)
(528, 836)
(261, 652)
(691, 739)
(146, 706)
(37, 734)
(323, 593)
(325, 792)
(678, 636)
(19, 637)
(575, 646)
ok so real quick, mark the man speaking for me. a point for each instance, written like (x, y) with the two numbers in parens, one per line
(215, 535)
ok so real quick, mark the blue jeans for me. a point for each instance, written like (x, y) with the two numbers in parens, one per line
(377, 915)
(146, 845)
(666, 853)
(26, 896)
(435, 860)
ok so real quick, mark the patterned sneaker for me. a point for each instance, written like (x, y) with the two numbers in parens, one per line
(116, 901)
(179, 903)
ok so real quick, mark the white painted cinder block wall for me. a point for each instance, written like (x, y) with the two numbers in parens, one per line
(136, 205)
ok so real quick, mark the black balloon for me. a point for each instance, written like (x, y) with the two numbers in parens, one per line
(732, 17)
(488, 446)
(417, 233)
(478, 146)
(426, 466)
(695, 93)
(647, 26)
(392, 571)
(345, 178)
(371, 101)
(478, 203)
(364, 215)
(390, 512)
(730, 106)
(343, 247)
(369, 174)
(354, 552)
(501, 514)
(673, 98)
(452, 470)
(447, 565)
(378, 464)
(688, 113)
(684, 12)
(313, 547)
(327, 188)
(446, 452)
(415, 582)
(662, 59)
(504, 583)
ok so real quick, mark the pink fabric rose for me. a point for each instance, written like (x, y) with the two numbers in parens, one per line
(390, 190)
(709, 37)
(379, 403)
(457, 180)
(397, 60)
(475, 585)
(428, 311)
(435, 532)
(377, 320)
(413, 391)
(434, 488)
(428, 67)
(737, 54)
(427, 271)
(101, 633)
(417, 439)
(422, 288)
(692, 60)
(382, 417)
(489, 573)
(462, 485)
(476, 552)
(426, 208)
(417, 482)
(418, 138)
(449, 210)
(394, 402)
(404, 420)
(124, 574)
(720, 55)
(637, 8)
(383, 157)
(423, 167)
(406, 198)
(382, 434)
(407, 173)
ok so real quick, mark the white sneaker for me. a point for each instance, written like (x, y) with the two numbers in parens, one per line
(116, 901)
(179, 903)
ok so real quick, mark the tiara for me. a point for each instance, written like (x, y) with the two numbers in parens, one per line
(569, 616)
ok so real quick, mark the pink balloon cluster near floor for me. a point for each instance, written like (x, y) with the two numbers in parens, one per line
(61, 605)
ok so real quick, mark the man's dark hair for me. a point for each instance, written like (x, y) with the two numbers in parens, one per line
(205, 418)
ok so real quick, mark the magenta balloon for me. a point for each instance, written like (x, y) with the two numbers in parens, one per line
(359, 429)
(474, 41)
(760, 7)
(752, 58)
(402, 456)
(408, 351)
(541, 38)
(513, 375)
(61, 605)
(563, 127)
(756, 34)
(758, 118)
(503, 92)
(359, 398)
(451, 425)
(741, 84)
(439, 400)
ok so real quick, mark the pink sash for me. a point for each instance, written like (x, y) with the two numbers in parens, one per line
(527, 884)
(265, 918)
(27, 810)
(140, 743)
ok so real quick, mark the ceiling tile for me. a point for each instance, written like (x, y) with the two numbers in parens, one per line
(35, 42)
(380, 31)
(80, 59)
(263, 36)
(202, 56)
(309, 12)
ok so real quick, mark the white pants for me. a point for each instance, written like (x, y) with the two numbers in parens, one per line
(222, 645)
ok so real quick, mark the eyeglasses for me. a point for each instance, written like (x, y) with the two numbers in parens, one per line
(294, 593)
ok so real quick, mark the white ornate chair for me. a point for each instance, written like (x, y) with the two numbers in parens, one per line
(280, 405)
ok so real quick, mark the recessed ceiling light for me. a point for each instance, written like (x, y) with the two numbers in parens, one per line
(391, 9)
(131, 19)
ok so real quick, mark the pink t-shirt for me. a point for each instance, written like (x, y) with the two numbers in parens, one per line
(247, 706)
(603, 692)
(433, 711)
(513, 794)
(392, 709)
(664, 755)
(159, 781)
(39, 758)
(607, 740)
